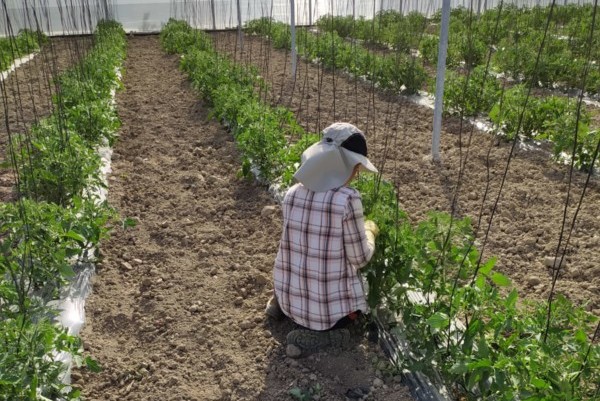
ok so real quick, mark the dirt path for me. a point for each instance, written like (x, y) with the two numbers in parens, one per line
(176, 308)
(27, 94)
(526, 226)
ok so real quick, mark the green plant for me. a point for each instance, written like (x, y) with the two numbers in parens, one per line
(25, 42)
(498, 353)
(55, 222)
(177, 36)
(397, 72)
(306, 395)
(470, 96)
(56, 165)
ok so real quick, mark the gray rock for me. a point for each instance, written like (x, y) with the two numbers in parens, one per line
(127, 266)
(377, 382)
(555, 263)
(268, 210)
(533, 280)
(245, 325)
(292, 351)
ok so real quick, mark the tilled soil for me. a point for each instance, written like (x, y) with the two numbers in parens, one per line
(27, 95)
(176, 311)
(526, 225)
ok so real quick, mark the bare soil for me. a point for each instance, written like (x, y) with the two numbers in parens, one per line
(531, 190)
(176, 311)
(27, 95)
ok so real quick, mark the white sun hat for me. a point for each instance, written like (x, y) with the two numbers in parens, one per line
(329, 163)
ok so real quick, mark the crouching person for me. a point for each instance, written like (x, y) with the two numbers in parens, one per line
(324, 243)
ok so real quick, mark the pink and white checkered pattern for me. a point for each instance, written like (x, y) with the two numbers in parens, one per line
(322, 246)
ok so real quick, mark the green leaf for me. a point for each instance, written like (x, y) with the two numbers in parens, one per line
(129, 223)
(92, 364)
(511, 300)
(581, 337)
(438, 320)
(539, 383)
(75, 236)
(67, 271)
(459, 368)
(500, 279)
(297, 393)
(488, 266)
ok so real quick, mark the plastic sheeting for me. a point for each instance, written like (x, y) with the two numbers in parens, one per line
(151, 15)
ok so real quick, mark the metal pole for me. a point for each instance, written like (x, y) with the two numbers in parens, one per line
(293, 30)
(239, 15)
(439, 82)
(310, 13)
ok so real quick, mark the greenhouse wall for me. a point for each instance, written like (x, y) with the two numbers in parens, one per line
(58, 17)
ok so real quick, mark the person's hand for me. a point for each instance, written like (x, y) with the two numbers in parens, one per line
(372, 227)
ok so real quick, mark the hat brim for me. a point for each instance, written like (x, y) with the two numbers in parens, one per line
(326, 166)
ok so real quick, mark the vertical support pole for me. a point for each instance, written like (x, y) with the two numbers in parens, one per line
(239, 17)
(212, 10)
(310, 16)
(439, 81)
(293, 31)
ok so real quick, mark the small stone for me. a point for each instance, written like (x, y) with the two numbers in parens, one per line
(313, 377)
(555, 263)
(377, 382)
(127, 266)
(238, 301)
(194, 308)
(76, 376)
(292, 351)
(268, 210)
(138, 261)
(245, 325)
(214, 271)
(533, 280)
(260, 279)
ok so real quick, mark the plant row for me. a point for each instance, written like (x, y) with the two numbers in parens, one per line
(397, 72)
(513, 34)
(57, 219)
(500, 354)
(515, 112)
(259, 129)
(11, 48)
(553, 118)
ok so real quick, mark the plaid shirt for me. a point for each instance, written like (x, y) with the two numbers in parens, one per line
(322, 246)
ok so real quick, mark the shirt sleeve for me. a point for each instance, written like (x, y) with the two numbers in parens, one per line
(358, 250)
